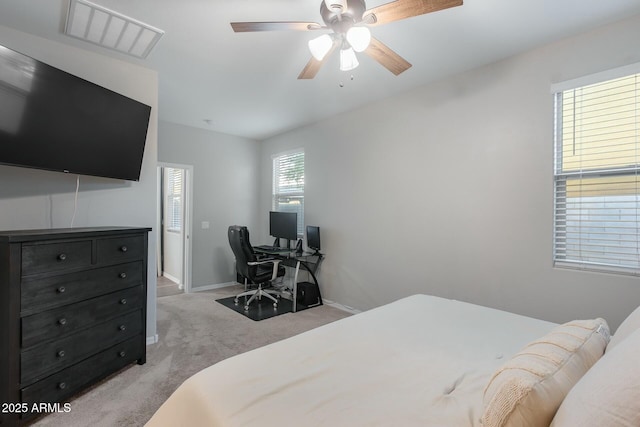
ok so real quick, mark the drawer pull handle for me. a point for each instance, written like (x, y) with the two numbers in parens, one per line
(60, 353)
(61, 290)
(123, 301)
(62, 322)
(123, 275)
(122, 327)
(124, 248)
(62, 257)
(62, 386)
(122, 354)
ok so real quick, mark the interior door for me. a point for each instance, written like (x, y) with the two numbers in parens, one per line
(173, 224)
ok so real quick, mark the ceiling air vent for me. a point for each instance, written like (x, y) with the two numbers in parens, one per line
(103, 27)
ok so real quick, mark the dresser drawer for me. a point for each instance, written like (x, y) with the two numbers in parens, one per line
(50, 292)
(120, 249)
(44, 359)
(67, 382)
(47, 257)
(59, 322)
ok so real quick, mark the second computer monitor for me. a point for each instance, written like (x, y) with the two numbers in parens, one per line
(283, 225)
(313, 238)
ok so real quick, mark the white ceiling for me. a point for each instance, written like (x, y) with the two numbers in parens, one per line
(246, 83)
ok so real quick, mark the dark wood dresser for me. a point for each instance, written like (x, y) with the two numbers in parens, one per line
(73, 306)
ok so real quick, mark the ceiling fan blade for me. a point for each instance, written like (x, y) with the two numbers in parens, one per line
(241, 27)
(313, 66)
(402, 9)
(387, 57)
(311, 69)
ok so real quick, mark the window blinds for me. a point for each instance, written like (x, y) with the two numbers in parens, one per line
(597, 188)
(288, 184)
(174, 198)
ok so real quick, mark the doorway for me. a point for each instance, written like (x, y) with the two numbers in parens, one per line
(174, 229)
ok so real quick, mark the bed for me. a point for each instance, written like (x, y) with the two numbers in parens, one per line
(419, 361)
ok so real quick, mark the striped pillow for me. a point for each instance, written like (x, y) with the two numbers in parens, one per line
(528, 389)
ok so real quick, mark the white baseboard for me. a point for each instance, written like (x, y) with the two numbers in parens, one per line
(341, 306)
(170, 277)
(214, 286)
(152, 340)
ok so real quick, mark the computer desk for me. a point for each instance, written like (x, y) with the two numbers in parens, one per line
(310, 261)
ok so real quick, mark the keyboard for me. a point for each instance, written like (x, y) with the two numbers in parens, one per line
(269, 248)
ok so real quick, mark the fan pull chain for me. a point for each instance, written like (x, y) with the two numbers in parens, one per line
(342, 84)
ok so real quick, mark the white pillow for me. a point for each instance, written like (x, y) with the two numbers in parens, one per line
(528, 389)
(626, 328)
(609, 394)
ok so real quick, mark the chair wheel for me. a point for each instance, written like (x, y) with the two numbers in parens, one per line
(236, 301)
(246, 308)
(275, 305)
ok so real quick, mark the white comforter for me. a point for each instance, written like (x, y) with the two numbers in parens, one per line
(419, 361)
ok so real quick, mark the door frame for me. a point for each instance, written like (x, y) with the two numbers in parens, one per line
(187, 218)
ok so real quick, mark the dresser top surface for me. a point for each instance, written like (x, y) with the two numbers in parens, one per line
(10, 236)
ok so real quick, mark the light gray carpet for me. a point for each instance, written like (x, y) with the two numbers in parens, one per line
(166, 287)
(195, 332)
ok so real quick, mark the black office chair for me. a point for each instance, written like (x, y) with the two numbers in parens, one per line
(259, 271)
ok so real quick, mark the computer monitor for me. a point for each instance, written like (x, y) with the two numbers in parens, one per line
(313, 238)
(283, 225)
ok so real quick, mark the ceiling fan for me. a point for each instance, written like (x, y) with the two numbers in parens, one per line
(348, 20)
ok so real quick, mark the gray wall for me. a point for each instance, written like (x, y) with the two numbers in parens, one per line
(225, 189)
(38, 199)
(448, 190)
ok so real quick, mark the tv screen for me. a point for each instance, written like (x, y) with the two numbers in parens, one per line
(50, 119)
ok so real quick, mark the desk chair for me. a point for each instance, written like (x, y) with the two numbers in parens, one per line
(259, 271)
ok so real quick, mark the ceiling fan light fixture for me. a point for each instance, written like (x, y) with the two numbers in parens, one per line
(336, 6)
(348, 60)
(359, 38)
(320, 46)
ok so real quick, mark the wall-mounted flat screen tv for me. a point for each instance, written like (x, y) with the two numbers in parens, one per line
(50, 119)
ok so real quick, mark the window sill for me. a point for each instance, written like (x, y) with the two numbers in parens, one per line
(595, 268)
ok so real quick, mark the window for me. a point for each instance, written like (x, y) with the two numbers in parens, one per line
(174, 179)
(288, 184)
(597, 188)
